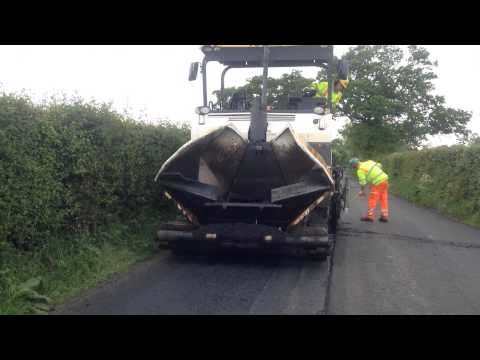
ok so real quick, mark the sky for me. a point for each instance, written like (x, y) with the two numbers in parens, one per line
(151, 82)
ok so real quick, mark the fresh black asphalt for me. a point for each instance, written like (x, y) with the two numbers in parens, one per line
(418, 263)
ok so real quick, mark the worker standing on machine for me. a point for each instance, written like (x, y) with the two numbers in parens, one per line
(370, 172)
(319, 89)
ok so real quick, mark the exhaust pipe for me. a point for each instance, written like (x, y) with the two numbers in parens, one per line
(257, 131)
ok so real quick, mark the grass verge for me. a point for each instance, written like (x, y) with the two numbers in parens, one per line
(33, 282)
(445, 178)
(456, 211)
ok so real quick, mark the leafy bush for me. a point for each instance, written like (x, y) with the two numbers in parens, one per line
(444, 178)
(70, 166)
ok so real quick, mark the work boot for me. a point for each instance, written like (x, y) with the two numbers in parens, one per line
(366, 218)
(383, 219)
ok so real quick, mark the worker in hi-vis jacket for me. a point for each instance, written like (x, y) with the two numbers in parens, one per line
(370, 172)
(320, 90)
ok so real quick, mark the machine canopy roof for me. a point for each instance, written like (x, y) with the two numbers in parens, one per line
(280, 55)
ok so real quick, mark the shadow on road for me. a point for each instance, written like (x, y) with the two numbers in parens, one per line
(253, 258)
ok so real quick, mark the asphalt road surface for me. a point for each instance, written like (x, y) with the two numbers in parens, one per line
(418, 263)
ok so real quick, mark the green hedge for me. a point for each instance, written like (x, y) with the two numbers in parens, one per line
(70, 166)
(444, 178)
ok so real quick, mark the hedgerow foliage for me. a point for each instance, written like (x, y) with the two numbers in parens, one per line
(70, 166)
(444, 178)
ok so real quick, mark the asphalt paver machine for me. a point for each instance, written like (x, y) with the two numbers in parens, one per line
(256, 175)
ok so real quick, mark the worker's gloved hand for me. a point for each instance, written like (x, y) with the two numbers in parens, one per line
(361, 194)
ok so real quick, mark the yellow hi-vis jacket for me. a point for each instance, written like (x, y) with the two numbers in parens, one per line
(321, 89)
(370, 172)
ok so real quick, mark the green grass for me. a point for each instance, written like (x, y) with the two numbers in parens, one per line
(64, 267)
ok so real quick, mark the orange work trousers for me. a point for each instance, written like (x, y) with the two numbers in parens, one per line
(378, 192)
